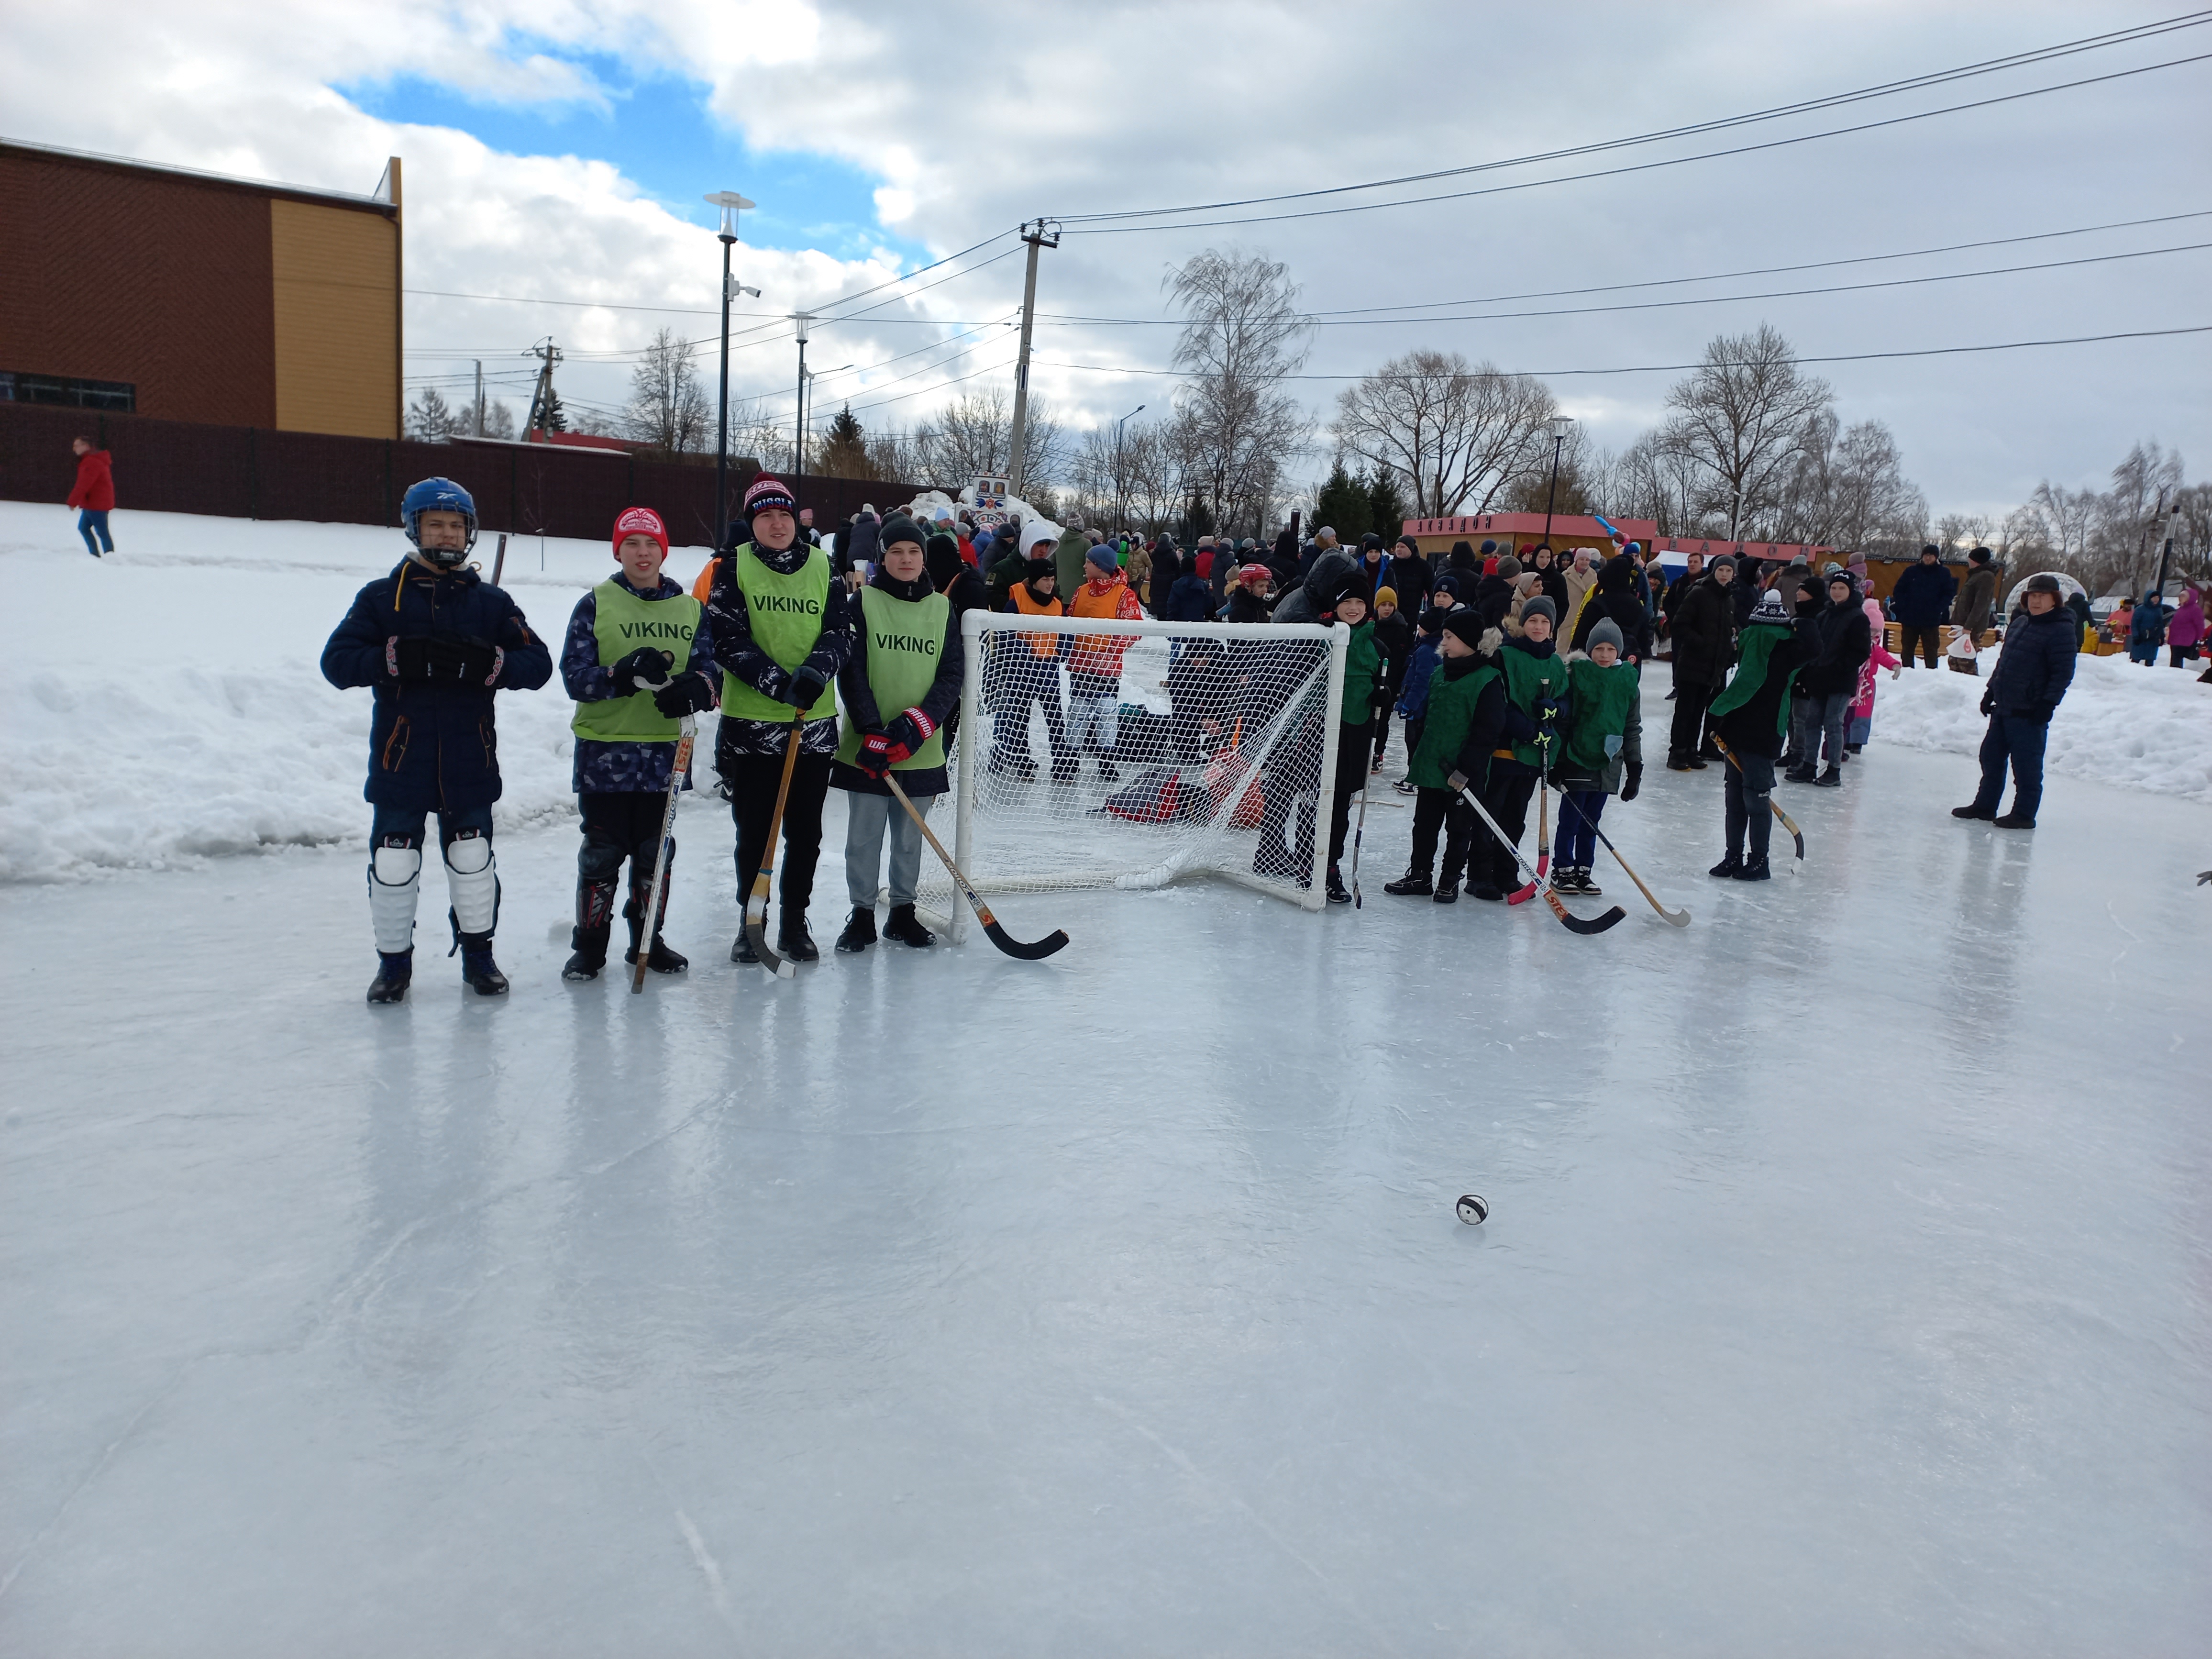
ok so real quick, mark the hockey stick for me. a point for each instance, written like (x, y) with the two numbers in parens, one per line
(1358, 834)
(1788, 823)
(757, 905)
(1006, 941)
(499, 564)
(679, 770)
(1673, 918)
(1573, 923)
(1522, 895)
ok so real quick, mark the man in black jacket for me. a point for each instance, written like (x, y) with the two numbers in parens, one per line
(1749, 717)
(2031, 675)
(1920, 602)
(1703, 628)
(1843, 639)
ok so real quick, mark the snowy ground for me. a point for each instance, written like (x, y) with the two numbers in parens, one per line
(1844, 1289)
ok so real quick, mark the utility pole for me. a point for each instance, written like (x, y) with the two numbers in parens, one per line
(731, 203)
(1560, 425)
(799, 427)
(541, 395)
(479, 405)
(2166, 553)
(1118, 491)
(1037, 235)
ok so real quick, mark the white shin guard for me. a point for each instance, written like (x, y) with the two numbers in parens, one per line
(473, 881)
(395, 877)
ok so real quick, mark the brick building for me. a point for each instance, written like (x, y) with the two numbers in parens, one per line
(131, 287)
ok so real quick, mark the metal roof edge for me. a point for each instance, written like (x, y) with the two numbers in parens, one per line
(261, 186)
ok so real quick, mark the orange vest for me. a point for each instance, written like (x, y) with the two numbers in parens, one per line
(1041, 645)
(1099, 654)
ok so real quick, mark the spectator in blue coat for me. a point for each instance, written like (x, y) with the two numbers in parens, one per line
(434, 641)
(1920, 603)
(2148, 631)
(2032, 672)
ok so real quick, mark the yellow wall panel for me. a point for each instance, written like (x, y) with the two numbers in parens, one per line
(337, 287)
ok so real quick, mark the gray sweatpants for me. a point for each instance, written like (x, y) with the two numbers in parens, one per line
(867, 818)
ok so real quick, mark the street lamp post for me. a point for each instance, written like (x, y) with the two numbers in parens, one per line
(799, 429)
(731, 203)
(1118, 425)
(808, 377)
(1560, 425)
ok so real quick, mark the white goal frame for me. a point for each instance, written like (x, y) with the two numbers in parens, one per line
(969, 758)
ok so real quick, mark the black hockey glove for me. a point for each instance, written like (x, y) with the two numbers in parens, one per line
(687, 694)
(1989, 701)
(455, 662)
(806, 686)
(1635, 781)
(640, 671)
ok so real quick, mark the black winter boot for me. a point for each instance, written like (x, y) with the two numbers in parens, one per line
(793, 943)
(1973, 812)
(1727, 866)
(741, 948)
(587, 939)
(860, 932)
(1447, 893)
(478, 971)
(1338, 892)
(1831, 778)
(1414, 883)
(658, 957)
(906, 927)
(1754, 870)
(394, 972)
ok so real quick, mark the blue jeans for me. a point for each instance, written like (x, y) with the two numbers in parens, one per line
(91, 523)
(1815, 719)
(1575, 844)
(2018, 739)
(407, 823)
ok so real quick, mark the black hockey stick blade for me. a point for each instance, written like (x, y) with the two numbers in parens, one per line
(757, 930)
(1054, 941)
(1575, 924)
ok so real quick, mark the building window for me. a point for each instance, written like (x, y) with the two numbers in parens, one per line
(120, 397)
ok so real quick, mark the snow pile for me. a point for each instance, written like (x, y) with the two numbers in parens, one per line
(2145, 728)
(165, 704)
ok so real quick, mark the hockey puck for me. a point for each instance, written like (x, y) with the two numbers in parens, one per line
(1472, 1210)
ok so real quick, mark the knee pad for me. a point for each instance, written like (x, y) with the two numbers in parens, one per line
(394, 879)
(473, 882)
(601, 857)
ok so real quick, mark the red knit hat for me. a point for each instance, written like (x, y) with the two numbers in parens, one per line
(641, 521)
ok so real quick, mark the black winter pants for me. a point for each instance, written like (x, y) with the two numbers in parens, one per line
(1689, 728)
(620, 825)
(1355, 748)
(1446, 810)
(1512, 787)
(752, 781)
(1927, 636)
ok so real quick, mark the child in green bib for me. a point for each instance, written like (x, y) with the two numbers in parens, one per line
(897, 691)
(1603, 755)
(638, 661)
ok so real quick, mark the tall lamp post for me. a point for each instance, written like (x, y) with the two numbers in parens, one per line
(1118, 425)
(731, 203)
(799, 428)
(806, 393)
(1560, 425)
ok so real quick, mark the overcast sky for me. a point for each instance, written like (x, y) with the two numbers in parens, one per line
(558, 151)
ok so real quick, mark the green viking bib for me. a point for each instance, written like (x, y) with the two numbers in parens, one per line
(1529, 681)
(1603, 697)
(901, 640)
(623, 622)
(1451, 717)
(786, 615)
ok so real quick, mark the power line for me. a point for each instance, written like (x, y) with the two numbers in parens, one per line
(1986, 66)
(1675, 368)
(1640, 167)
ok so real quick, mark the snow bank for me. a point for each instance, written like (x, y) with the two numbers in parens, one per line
(164, 705)
(2143, 728)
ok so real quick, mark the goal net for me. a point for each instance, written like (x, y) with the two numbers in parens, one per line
(1101, 753)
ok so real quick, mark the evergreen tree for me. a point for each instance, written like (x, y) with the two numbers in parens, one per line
(555, 417)
(844, 452)
(1342, 504)
(1386, 512)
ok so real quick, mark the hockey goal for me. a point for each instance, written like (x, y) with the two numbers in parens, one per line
(1097, 753)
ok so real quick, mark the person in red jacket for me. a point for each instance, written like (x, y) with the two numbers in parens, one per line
(93, 495)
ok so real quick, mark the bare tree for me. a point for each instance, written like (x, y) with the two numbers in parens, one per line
(1744, 416)
(1849, 489)
(1243, 335)
(668, 407)
(1658, 479)
(1456, 435)
(758, 434)
(972, 437)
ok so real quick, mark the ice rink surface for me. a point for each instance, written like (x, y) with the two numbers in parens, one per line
(1845, 1287)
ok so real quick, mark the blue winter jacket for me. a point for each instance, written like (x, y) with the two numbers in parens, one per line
(432, 747)
(1922, 595)
(1413, 699)
(1191, 599)
(2037, 663)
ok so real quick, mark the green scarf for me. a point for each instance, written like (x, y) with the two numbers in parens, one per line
(1759, 640)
